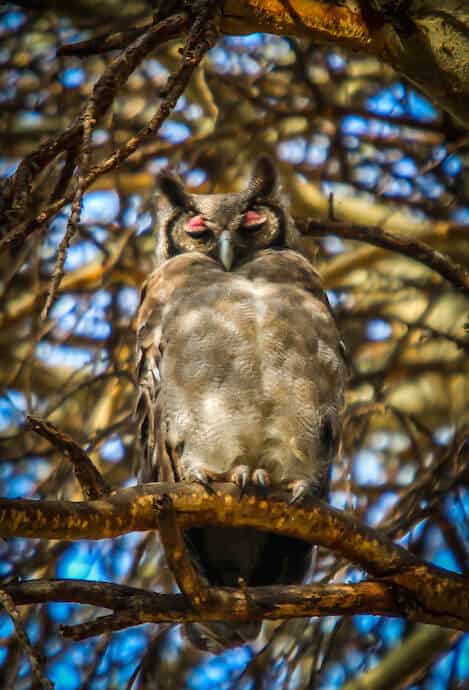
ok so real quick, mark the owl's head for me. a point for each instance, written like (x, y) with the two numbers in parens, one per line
(227, 227)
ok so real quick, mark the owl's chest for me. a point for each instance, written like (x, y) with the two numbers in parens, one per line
(240, 338)
(234, 311)
(240, 369)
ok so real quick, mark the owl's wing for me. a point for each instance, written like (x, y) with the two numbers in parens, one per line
(158, 461)
(154, 464)
(148, 379)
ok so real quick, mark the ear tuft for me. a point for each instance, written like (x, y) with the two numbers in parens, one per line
(264, 178)
(173, 189)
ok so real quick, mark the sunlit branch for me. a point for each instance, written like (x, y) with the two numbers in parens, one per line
(431, 589)
(365, 27)
(188, 578)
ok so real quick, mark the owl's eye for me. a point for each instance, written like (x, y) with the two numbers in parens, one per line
(253, 220)
(197, 227)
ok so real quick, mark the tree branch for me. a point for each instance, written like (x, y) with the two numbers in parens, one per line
(202, 36)
(8, 604)
(414, 249)
(134, 606)
(432, 591)
(425, 45)
(407, 663)
(181, 565)
(92, 483)
(104, 92)
(102, 43)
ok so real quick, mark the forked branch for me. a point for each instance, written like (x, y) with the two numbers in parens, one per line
(134, 606)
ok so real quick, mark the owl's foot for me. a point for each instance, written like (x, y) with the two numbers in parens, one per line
(300, 488)
(242, 477)
(261, 477)
(200, 477)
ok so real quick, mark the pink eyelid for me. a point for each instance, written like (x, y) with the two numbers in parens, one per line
(253, 219)
(196, 225)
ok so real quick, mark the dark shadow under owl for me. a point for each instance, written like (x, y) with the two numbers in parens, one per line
(240, 371)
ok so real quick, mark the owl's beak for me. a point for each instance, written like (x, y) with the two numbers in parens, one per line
(226, 249)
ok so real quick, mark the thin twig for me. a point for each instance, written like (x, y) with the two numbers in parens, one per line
(89, 121)
(93, 484)
(9, 605)
(102, 43)
(104, 92)
(58, 272)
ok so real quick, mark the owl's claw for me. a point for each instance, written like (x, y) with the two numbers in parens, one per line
(261, 478)
(299, 488)
(201, 478)
(240, 476)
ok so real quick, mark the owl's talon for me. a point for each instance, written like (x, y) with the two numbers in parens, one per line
(261, 477)
(202, 479)
(300, 489)
(240, 477)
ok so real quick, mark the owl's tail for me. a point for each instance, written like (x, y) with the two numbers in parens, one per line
(215, 637)
(224, 555)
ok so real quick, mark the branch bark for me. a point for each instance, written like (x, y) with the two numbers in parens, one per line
(428, 590)
(188, 578)
(134, 606)
(427, 44)
(92, 483)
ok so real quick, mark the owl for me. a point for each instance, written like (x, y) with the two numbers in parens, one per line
(240, 372)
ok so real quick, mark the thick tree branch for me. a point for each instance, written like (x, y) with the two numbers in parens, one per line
(431, 589)
(427, 46)
(314, 19)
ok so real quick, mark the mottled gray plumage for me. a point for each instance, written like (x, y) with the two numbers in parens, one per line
(240, 369)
